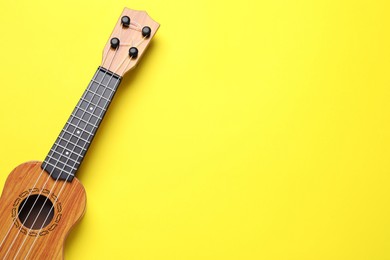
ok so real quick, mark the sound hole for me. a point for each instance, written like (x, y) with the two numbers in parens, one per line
(31, 207)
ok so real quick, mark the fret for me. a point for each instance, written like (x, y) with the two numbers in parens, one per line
(59, 166)
(64, 159)
(84, 120)
(58, 148)
(82, 139)
(90, 95)
(86, 117)
(73, 139)
(74, 162)
(100, 95)
(85, 111)
(94, 81)
(83, 124)
(103, 79)
(71, 146)
(68, 173)
(94, 100)
(99, 90)
(85, 131)
(70, 143)
(89, 98)
(107, 94)
(75, 158)
(98, 104)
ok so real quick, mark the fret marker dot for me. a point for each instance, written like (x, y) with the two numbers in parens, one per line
(67, 153)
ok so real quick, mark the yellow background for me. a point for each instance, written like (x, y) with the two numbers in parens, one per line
(250, 130)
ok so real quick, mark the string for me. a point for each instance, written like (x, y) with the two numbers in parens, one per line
(128, 63)
(138, 44)
(63, 186)
(141, 41)
(20, 210)
(17, 234)
(17, 216)
(120, 31)
(28, 197)
(136, 24)
(122, 61)
(40, 193)
(129, 58)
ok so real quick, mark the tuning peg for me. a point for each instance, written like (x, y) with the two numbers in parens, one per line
(146, 31)
(115, 43)
(133, 52)
(125, 21)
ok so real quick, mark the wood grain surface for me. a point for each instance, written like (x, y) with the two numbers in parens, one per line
(118, 61)
(68, 199)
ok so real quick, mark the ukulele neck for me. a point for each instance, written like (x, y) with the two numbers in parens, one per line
(71, 146)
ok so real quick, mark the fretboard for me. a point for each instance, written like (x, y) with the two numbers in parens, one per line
(70, 148)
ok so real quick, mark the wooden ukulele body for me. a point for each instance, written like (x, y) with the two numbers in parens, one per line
(55, 189)
(68, 200)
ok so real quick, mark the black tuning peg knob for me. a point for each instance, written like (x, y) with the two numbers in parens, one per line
(133, 52)
(146, 31)
(115, 43)
(125, 21)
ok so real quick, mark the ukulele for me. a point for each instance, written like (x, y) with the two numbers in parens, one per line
(42, 201)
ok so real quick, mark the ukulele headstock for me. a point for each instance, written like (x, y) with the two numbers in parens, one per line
(128, 41)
